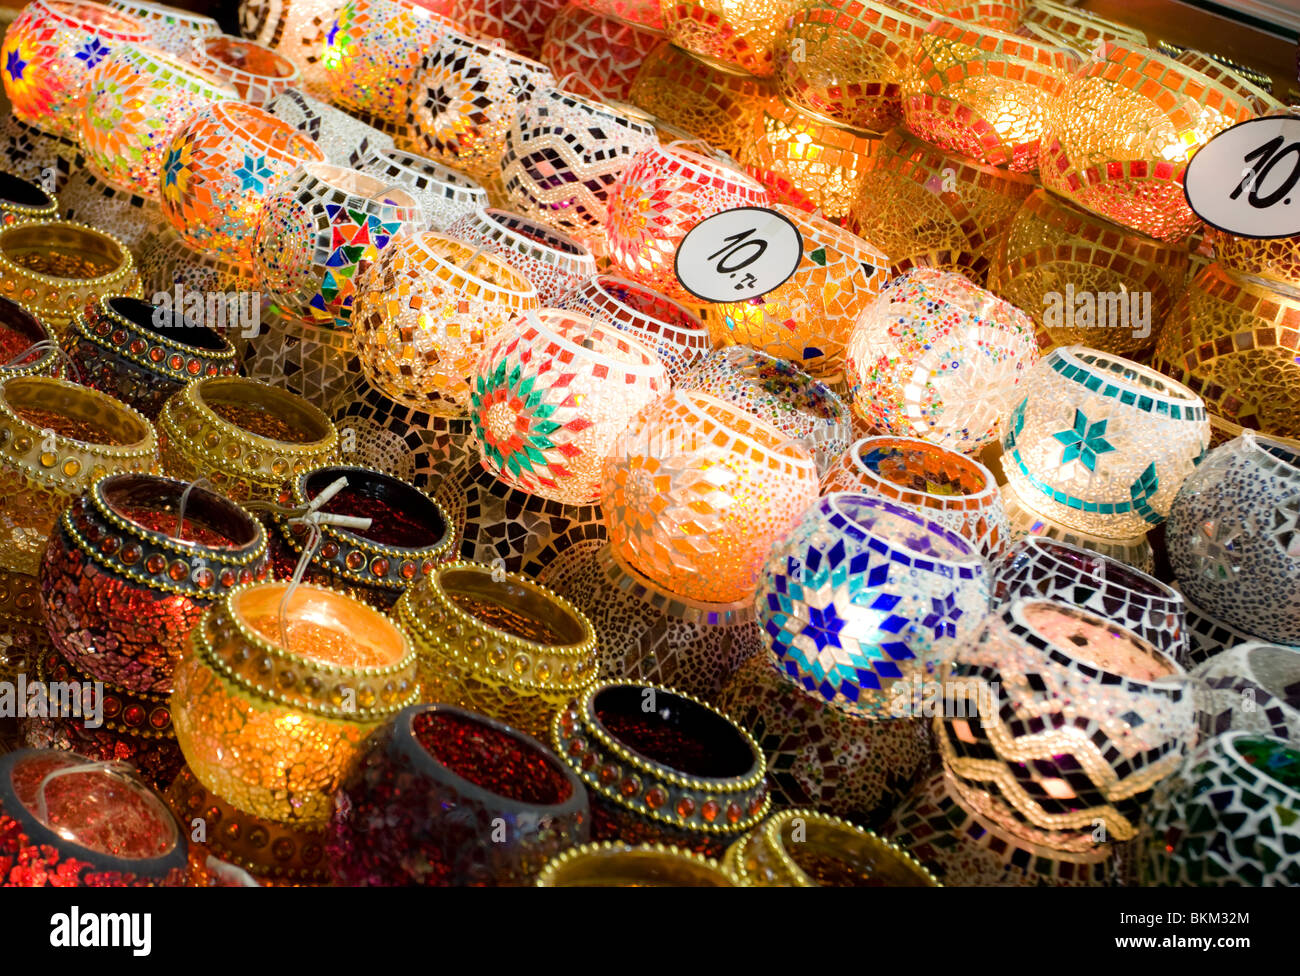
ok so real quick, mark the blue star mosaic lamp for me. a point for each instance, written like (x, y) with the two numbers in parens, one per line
(865, 598)
(1100, 445)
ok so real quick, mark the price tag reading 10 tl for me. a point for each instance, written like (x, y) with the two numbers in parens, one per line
(738, 254)
(1246, 180)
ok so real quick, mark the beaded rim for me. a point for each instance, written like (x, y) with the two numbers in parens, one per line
(19, 319)
(69, 230)
(156, 718)
(601, 852)
(879, 484)
(45, 206)
(1126, 374)
(194, 395)
(107, 310)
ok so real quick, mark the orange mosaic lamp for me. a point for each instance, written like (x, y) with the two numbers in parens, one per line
(598, 55)
(697, 492)
(982, 93)
(1079, 29)
(1002, 15)
(735, 33)
(514, 24)
(1274, 259)
(846, 59)
(256, 73)
(50, 51)
(294, 28)
(217, 172)
(1119, 139)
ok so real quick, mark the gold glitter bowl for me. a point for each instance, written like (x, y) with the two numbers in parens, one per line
(608, 864)
(1274, 261)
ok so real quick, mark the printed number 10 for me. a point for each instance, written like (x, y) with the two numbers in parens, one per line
(1267, 156)
(737, 244)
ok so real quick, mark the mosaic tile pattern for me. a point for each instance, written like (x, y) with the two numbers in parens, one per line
(443, 194)
(740, 35)
(95, 202)
(516, 24)
(319, 365)
(553, 262)
(344, 140)
(295, 28)
(170, 28)
(166, 261)
(256, 73)
(602, 54)
(1253, 687)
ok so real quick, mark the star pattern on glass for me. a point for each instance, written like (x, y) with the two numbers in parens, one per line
(253, 173)
(175, 171)
(943, 616)
(1084, 441)
(93, 52)
(15, 65)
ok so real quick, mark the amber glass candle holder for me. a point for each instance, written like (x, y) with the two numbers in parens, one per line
(56, 439)
(734, 35)
(661, 766)
(28, 347)
(807, 849)
(610, 864)
(1234, 342)
(924, 206)
(408, 535)
(1267, 260)
(602, 54)
(54, 268)
(427, 804)
(442, 193)
(273, 728)
(294, 28)
(124, 580)
(1119, 138)
(170, 28)
(21, 201)
(426, 311)
(97, 826)
(553, 262)
(49, 52)
(257, 73)
(497, 643)
(1077, 28)
(245, 437)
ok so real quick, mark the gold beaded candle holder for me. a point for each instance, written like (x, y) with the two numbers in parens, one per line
(345, 141)
(923, 206)
(982, 93)
(1085, 280)
(1234, 342)
(939, 358)
(1076, 720)
(170, 28)
(681, 773)
(372, 52)
(498, 644)
(21, 201)
(278, 690)
(317, 229)
(551, 398)
(648, 633)
(426, 311)
(553, 262)
(442, 193)
(515, 24)
(807, 849)
(28, 347)
(846, 59)
(1101, 444)
(256, 73)
(1120, 137)
(673, 331)
(808, 318)
(244, 437)
(218, 170)
(131, 218)
(711, 102)
(49, 52)
(55, 267)
(609, 864)
(658, 199)
(602, 54)
(463, 99)
(942, 486)
(294, 28)
(698, 491)
(170, 266)
(562, 155)
(319, 365)
(56, 439)
(135, 103)
(736, 35)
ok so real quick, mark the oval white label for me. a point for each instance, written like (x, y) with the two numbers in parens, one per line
(738, 254)
(1246, 180)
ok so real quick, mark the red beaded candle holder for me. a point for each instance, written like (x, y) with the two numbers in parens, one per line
(128, 573)
(65, 825)
(676, 772)
(170, 28)
(658, 199)
(601, 54)
(28, 347)
(409, 534)
(554, 262)
(740, 35)
(136, 101)
(50, 51)
(21, 201)
(256, 73)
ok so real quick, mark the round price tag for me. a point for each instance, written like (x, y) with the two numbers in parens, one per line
(738, 255)
(1246, 180)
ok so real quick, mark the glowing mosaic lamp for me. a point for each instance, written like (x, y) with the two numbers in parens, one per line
(551, 398)
(940, 485)
(443, 193)
(515, 24)
(316, 230)
(939, 358)
(562, 155)
(426, 311)
(698, 491)
(256, 73)
(136, 100)
(712, 102)
(846, 59)
(734, 34)
(345, 141)
(1234, 537)
(278, 744)
(1080, 29)
(295, 28)
(1119, 138)
(1264, 259)
(808, 318)
(1233, 341)
(673, 331)
(982, 93)
(1101, 444)
(554, 262)
(598, 55)
(658, 199)
(463, 99)
(49, 52)
(1076, 719)
(644, 12)
(170, 28)
(372, 52)
(218, 171)
(1085, 280)
(864, 599)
